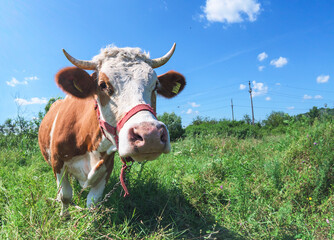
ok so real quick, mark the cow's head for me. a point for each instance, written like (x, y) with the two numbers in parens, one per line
(124, 78)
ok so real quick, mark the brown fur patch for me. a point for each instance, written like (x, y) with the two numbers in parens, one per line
(108, 160)
(45, 129)
(103, 97)
(76, 131)
(76, 82)
(104, 78)
(94, 76)
(171, 84)
(104, 94)
(99, 164)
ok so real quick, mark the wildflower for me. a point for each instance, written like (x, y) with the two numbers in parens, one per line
(211, 155)
(221, 187)
(310, 199)
(327, 221)
(315, 143)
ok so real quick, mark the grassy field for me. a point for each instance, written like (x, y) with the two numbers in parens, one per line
(208, 187)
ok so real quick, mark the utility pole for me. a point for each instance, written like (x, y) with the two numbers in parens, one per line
(250, 93)
(232, 109)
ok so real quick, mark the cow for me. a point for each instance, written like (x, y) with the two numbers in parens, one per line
(113, 109)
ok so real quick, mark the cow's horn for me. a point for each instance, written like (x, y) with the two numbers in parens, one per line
(87, 65)
(158, 62)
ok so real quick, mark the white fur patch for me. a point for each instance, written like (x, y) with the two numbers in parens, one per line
(51, 137)
(83, 168)
(96, 175)
(106, 146)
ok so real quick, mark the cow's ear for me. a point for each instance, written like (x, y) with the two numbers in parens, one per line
(76, 82)
(170, 84)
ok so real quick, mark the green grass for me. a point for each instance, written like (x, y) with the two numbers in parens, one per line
(208, 187)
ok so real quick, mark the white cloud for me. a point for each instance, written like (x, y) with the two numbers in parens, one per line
(278, 84)
(259, 89)
(31, 78)
(280, 62)
(291, 108)
(15, 82)
(307, 97)
(193, 104)
(165, 6)
(261, 68)
(190, 111)
(231, 11)
(242, 86)
(322, 78)
(262, 56)
(34, 100)
(268, 98)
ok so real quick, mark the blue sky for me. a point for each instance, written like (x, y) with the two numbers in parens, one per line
(284, 48)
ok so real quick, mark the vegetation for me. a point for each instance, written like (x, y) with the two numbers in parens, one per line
(174, 125)
(222, 180)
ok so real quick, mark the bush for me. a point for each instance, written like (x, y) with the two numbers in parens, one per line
(276, 119)
(225, 128)
(174, 125)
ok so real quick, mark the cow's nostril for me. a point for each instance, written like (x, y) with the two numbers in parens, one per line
(134, 136)
(163, 138)
(163, 135)
(137, 137)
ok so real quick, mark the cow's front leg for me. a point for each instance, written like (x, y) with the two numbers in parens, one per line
(98, 177)
(64, 191)
(95, 193)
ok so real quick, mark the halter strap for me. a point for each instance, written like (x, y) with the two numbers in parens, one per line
(133, 111)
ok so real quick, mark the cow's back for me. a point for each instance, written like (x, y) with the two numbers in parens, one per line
(69, 129)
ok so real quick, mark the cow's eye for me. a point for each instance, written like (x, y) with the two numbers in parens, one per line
(156, 87)
(103, 85)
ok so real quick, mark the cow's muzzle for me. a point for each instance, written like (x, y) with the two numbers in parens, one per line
(147, 137)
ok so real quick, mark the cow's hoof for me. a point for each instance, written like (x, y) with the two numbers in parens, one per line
(65, 215)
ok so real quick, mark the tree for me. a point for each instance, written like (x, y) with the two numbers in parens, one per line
(50, 102)
(173, 123)
(247, 119)
(276, 119)
(314, 113)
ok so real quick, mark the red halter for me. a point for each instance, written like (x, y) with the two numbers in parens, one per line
(104, 126)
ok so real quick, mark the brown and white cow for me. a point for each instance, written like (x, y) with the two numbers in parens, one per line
(70, 135)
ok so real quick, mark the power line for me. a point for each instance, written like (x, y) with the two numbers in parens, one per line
(307, 89)
(215, 88)
(303, 109)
